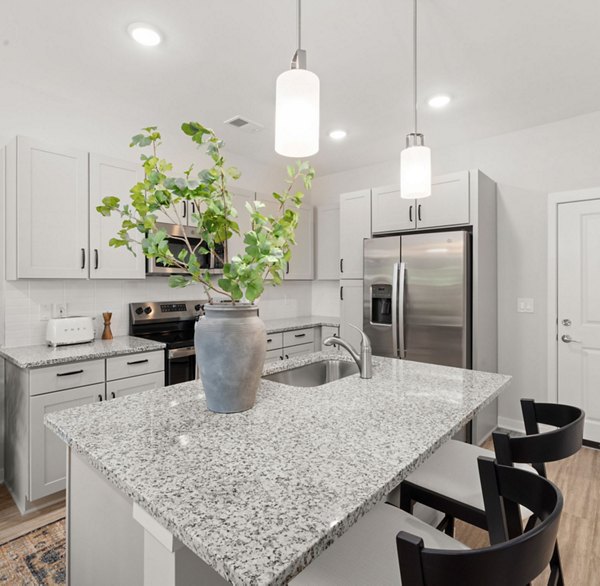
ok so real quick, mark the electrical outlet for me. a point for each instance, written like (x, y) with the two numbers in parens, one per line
(525, 305)
(45, 311)
(59, 310)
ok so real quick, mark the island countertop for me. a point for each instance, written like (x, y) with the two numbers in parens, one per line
(257, 495)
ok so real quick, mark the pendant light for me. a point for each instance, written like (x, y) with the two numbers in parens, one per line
(415, 159)
(297, 106)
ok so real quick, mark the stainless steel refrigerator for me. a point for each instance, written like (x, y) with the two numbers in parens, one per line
(417, 297)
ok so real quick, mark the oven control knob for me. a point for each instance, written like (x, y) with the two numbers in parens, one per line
(139, 311)
(198, 307)
(148, 310)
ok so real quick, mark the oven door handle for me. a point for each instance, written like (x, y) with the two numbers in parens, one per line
(181, 352)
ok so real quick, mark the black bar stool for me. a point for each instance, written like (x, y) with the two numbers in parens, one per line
(447, 481)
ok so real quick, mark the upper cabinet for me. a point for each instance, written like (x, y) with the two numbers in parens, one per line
(301, 265)
(48, 194)
(52, 227)
(110, 177)
(391, 213)
(448, 205)
(355, 226)
(239, 198)
(328, 242)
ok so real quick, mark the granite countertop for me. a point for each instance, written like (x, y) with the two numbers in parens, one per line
(257, 495)
(275, 326)
(43, 355)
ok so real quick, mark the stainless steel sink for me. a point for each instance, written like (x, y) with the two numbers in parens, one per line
(315, 374)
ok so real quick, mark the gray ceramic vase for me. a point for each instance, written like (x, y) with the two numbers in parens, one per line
(231, 345)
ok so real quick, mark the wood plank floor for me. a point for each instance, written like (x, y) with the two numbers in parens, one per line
(578, 478)
(13, 525)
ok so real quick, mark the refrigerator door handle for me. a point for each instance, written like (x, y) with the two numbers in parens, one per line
(400, 309)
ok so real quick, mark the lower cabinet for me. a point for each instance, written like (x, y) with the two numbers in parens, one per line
(292, 343)
(135, 384)
(35, 465)
(47, 464)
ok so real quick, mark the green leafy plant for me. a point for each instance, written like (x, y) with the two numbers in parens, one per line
(268, 244)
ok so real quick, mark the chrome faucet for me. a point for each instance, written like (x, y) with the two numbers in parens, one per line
(364, 360)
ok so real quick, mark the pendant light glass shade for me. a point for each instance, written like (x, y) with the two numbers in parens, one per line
(297, 113)
(415, 172)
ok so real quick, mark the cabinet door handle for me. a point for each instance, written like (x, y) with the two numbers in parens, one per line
(287, 357)
(269, 340)
(113, 395)
(287, 268)
(100, 398)
(83, 258)
(280, 357)
(96, 258)
(138, 361)
(341, 265)
(184, 209)
(299, 335)
(419, 212)
(69, 373)
(410, 213)
(342, 293)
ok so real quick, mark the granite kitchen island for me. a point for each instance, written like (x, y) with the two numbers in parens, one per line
(162, 491)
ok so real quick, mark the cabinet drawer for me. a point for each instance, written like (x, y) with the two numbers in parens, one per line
(297, 350)
(134, 364)
(274, 355)
(298, 337)
(274, 341)
(65, 376)
(135, 384)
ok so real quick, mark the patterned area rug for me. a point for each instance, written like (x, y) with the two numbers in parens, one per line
(35, 559)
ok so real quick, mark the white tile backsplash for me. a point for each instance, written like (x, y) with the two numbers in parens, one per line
(24, 298)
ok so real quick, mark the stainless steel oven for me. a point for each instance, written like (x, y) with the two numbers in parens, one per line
(175, 236)
(181, 365)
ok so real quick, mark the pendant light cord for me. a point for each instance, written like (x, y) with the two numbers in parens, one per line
(414, 59)
(299, 15)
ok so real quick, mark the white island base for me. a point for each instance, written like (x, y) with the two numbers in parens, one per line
(112, 540)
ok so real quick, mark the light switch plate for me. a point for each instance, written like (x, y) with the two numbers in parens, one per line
(525, 305)
(59, 310)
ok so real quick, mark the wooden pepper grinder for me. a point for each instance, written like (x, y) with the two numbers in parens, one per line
(107, 334)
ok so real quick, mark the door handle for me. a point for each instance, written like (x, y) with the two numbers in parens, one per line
(299, 335)
(568, 340)
(184, 209)
(100, 398)
(398, 309)
(137, 362)
(83, 258)
(96, 258)
(342, 293)
(410, 213)
(419, 212)
(69, 373)
(341, 265)
(112, 394)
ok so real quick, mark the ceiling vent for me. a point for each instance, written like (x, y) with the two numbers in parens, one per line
(244, 124)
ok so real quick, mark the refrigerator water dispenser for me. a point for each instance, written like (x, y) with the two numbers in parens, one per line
(381, 304)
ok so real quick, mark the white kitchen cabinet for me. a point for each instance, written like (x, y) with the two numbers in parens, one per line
(448, 204)
(134, 384)
(47, 201)
(355, 226)
(274, 355)
(351, 300)
(390, 212)
(300, 267)
(132, 365)
(239, 199)
(298, 350)
(48, 455)
(111, 177)
(328, 242)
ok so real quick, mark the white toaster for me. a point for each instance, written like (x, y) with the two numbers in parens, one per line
(69, 330)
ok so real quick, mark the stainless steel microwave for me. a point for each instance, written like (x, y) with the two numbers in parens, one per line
(175, 235)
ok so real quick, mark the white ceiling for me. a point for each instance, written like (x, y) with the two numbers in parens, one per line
(509, 64)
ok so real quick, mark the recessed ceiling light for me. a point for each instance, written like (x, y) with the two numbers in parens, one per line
(439, 101)
(337, 134)
(144, 34)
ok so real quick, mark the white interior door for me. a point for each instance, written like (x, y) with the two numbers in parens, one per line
(579, 310)
(110, 177)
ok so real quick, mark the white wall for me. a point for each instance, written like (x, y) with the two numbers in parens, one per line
(527, 165)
